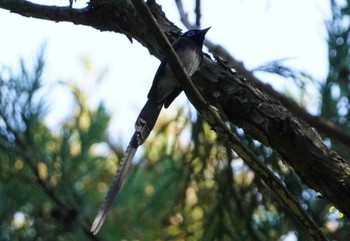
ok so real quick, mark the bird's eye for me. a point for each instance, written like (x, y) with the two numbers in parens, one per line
(190, 33)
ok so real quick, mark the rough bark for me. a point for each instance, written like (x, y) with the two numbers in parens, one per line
(239, 101)
(271, 123)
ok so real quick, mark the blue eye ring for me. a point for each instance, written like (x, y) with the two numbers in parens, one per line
(190, 33)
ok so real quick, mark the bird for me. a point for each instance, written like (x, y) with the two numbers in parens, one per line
(165, 88)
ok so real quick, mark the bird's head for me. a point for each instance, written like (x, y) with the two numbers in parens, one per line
(197, 35)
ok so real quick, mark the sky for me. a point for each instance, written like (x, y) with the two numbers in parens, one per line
(254, 32)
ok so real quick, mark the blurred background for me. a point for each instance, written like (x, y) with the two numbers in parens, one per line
(69, 96)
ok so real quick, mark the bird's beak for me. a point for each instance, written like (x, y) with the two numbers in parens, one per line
(205, 30)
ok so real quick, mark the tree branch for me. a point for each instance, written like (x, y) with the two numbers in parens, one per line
(321, 124)
(221, 128)
(53, 13)
(324, 126)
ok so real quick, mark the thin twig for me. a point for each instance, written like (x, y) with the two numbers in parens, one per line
(198, 13)
(183, 14)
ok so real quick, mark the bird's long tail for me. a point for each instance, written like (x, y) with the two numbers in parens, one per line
(143, 127)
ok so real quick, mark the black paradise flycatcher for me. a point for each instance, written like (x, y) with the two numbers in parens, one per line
(165, 88)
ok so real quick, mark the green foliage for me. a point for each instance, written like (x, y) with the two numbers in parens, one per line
(45, 176)
(336, 89)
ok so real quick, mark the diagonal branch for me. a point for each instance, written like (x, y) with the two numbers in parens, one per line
(221, 128)
(321, 124)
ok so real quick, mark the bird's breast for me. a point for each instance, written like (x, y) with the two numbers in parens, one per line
(190, 59)
(167, 83)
